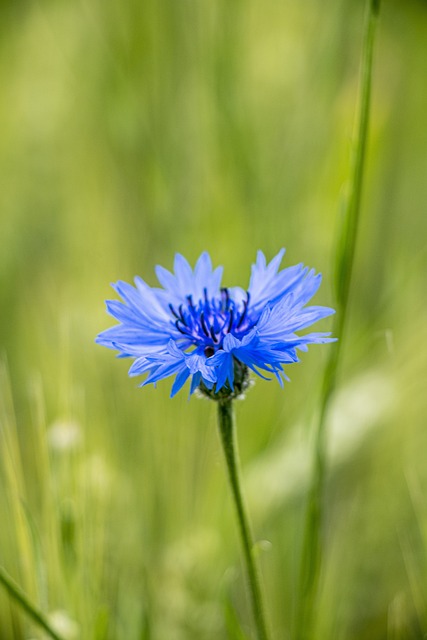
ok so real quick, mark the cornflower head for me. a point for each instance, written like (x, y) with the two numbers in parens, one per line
(194, 328)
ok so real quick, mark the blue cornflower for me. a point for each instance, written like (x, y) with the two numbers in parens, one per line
(193, 327)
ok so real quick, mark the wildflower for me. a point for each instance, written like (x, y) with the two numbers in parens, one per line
(194, 328)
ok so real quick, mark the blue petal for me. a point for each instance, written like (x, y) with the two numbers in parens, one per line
(165, 277)
(287, 316)
(309, 315)
(223, 369)
(185, 282)
(195, 381)
(183, 273)
(268, 285)
(179, 382)
(142, 299)
(129, 335)
(168, 368)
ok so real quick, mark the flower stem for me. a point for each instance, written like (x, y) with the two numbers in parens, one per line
(18, 595)
(312, 548)
(229, 444)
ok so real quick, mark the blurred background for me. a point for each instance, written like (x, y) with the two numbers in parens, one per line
(133, 130)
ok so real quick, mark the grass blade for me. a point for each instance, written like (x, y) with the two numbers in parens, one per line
(21, 599)
(311, 552)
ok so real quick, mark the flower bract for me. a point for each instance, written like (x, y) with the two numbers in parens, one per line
(192, 327)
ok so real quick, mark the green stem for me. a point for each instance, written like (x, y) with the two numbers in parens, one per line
(229, 445)
(312, 547)
(19, 596)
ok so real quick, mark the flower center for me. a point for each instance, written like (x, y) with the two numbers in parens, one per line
(208, 321)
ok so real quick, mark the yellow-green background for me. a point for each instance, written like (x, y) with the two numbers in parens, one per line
(133, 129)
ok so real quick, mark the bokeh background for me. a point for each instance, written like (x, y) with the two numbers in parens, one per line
(131, 130)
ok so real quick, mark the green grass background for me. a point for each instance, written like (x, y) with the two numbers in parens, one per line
(132, 130)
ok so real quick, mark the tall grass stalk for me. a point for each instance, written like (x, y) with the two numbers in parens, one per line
(311, 559)
(227, 431)
(21, 599)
